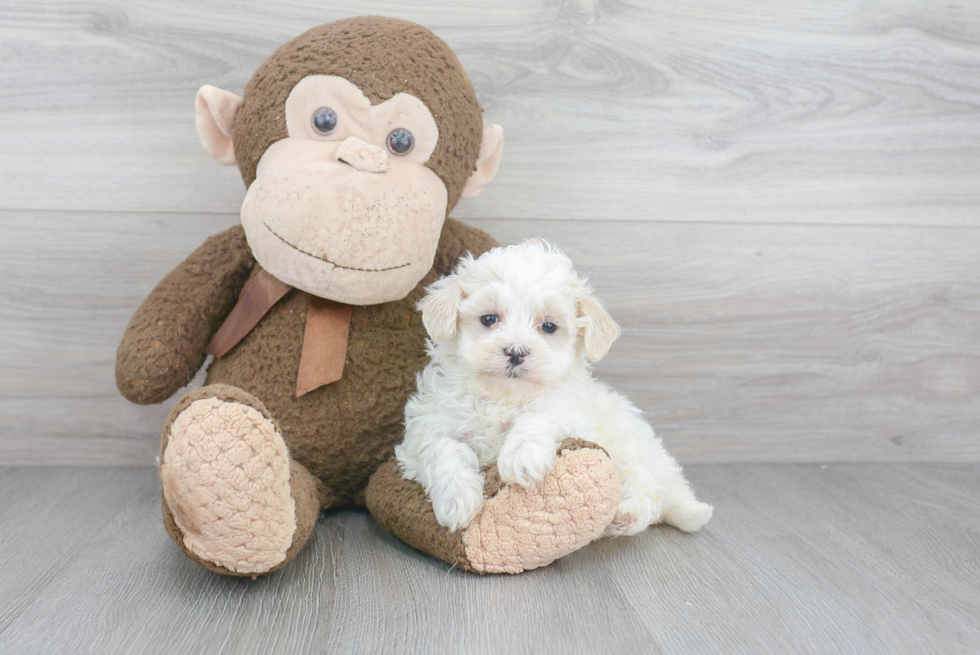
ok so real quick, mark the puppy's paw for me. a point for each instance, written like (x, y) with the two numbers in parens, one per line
(633, 515)
(457, 503)
(525, 462)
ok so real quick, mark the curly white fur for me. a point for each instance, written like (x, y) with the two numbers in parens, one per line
(478, 402)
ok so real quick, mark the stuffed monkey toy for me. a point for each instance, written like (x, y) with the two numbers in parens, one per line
(355, 140)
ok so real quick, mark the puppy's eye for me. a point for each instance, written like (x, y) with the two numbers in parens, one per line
(548, 327)
(489, 319)
(325, 120)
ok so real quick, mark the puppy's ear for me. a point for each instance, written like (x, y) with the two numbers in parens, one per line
(440, 308)
(600, 330)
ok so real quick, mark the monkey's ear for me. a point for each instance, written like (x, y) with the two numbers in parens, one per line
(600, 328)
(491, 148)
(440, 308)
(214, 117)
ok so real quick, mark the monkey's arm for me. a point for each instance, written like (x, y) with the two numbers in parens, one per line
(517, 529)
(163, 346)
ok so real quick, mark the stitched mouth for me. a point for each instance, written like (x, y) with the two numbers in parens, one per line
(324, 259)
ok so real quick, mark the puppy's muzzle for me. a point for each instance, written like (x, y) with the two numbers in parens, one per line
(515, 355)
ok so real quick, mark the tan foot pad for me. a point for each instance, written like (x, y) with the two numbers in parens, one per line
(521, 529)
(225, 474)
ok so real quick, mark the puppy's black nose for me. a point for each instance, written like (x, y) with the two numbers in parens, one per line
(515, 355)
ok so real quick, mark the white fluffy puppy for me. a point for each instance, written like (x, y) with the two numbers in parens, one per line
(512, 337)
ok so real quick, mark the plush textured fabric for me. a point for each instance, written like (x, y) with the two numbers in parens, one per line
(225, 476)
(517, 529)
(403, 509)
(341, 432)
(214, 118)
(491, 150)
(382, 56)
(372, 122)
(337, 435)
(337, 232)
(523, 529)
(334, 437)
(163, 346)
(304, 489)
(363, 156)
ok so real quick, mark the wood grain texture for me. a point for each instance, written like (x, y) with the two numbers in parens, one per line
(743, 342)
(717, 110)
(795, 254)
(49, 516)
(798, 559)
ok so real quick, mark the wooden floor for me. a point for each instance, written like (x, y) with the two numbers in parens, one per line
(810, 558)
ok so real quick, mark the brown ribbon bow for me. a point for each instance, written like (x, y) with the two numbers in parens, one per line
(324, 341)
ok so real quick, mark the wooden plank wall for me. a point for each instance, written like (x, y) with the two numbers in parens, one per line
(778, 199)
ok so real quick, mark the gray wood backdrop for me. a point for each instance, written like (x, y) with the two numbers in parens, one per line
(778, 199)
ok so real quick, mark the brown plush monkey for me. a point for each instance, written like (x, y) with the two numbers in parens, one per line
(355, 140)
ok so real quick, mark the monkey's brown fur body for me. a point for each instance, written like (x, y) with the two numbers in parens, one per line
(260, 499)
(340, 433)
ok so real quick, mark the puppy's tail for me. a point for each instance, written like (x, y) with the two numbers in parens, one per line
(687, 514)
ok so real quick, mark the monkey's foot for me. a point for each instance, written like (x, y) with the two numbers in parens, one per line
(227, 475)
(518, 529)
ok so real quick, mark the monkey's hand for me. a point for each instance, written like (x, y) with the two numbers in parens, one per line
(163, 346)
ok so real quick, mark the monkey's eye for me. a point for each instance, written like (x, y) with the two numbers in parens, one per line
(489, 319)
(325, 120)
(400, 142)
(548, 327)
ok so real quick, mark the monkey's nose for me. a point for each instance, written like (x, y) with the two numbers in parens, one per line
(515, 355)
(362, 155)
